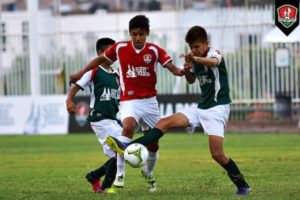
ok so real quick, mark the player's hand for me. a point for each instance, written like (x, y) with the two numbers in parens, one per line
(187, 67)
(75, 77)
(178, 72)
(189, 57)
(71, 107)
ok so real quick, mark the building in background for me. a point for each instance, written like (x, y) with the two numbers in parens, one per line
(67, 7)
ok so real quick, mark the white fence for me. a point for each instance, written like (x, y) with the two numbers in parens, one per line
(67, 43)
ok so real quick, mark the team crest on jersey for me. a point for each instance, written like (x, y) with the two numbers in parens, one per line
(82, 112)
(147, 58)
(287, 15)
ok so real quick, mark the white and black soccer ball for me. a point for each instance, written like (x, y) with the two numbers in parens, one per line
(136, 155)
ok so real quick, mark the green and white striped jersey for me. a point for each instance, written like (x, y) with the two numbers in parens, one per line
(105, 96)
(213, 81)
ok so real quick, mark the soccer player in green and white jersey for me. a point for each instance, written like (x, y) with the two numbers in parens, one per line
(104, 102)
(212, 112)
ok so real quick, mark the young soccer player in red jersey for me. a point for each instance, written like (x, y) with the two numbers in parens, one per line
(138, 104)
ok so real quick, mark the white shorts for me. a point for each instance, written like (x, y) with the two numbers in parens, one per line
(104, 128)
(144, 111)
(212, 120)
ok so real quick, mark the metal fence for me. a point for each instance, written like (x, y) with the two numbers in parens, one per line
(254, 80)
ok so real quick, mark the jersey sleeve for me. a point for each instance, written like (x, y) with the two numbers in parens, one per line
(163, 57)
(111, 53)
(215, 54)
(85, 80)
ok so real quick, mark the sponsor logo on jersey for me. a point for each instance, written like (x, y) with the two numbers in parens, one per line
(203, 79)
(287, 15)
(82, 112)
(109, 94)
(133, 72)
(147, 58)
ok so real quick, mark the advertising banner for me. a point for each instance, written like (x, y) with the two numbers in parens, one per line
(33, 115)
(168, 105)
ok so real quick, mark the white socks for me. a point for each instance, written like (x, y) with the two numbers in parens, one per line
(148, 168)
(120, 160)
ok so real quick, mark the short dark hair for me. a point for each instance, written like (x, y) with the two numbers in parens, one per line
(196, 33)
(139, 21)
(103, 43)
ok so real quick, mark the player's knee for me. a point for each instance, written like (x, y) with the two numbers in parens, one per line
(153, 147)
(128, 130)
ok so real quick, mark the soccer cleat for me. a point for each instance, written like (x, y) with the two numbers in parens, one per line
(244, 191)
(106, 191)
(116, 145)
(95, 183)
(119, 181)
(150, 181)
(110, 191)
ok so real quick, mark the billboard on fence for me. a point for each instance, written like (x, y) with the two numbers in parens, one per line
(78, 121)
(168, 105)
(33, 115)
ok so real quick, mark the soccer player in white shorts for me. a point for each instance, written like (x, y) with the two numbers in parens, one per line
(138, 63)
(212, 112)
(104, 101)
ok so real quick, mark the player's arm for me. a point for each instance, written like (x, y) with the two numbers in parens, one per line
(173, 69)
(189, 75)
(71, 107)
(92, 64)
(79, 85)
(207, 61)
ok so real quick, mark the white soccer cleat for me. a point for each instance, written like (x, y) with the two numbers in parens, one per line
(150, 181)
(119, 181)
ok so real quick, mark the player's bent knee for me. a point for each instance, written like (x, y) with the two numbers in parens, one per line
(153, 147)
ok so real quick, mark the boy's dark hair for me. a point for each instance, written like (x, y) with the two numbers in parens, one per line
(196, 33)
(139, 21)
(103, 43)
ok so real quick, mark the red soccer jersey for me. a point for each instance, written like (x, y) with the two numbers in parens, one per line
(137, 68)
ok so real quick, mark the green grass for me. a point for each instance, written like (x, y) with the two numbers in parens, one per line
(53, 167)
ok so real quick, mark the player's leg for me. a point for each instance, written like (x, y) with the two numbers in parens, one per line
(217, 152)
(213, 121)
(110, 175)
(101, 129)
(147, 170)
(94, 176)
(116, 131)
(129, 125)
(177, 120)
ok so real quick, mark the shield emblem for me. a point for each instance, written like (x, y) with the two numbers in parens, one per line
(147, 58)
(287, 15)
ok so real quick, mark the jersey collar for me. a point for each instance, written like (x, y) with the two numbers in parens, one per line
(137, 50)
(107, 71)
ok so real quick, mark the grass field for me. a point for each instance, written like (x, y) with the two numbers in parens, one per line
(53, 167)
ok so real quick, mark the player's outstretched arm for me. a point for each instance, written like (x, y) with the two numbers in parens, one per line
(173, 69)
(92, 64)
(69, 102)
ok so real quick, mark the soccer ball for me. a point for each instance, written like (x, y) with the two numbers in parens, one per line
(136, 155)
